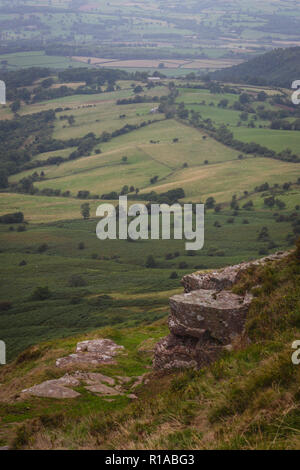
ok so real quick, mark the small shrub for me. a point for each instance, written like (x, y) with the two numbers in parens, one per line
(30, 354)
(42, 248)
(183, 265)
(174, 275)
(150, 262)
(15, 218)
(76, 281)
(4, 306)
(41, 293)
(75, 300)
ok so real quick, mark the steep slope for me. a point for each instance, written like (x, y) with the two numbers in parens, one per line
(248, 399)
(279, 67)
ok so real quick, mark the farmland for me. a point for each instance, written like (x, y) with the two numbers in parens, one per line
(149, 36)
(169, 104)
(207, 104)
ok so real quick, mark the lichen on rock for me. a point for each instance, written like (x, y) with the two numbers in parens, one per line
(207, 319)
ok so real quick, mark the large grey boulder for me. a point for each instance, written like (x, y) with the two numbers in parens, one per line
(220, 314)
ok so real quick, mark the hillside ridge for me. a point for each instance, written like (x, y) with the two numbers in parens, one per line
(264, 70)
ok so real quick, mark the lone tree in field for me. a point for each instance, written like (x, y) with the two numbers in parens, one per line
(3, 179)
(71, 120)
(15, 106)
(85, 210)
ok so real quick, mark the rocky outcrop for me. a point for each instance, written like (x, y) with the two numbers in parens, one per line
(181, 352)
(224, 278)
(97, 383)
(221, 314)
(92, 352)
(57, 388)
(207, 319)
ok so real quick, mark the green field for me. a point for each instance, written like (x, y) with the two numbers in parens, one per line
(275, 140)
(201, 101)
(37, 59)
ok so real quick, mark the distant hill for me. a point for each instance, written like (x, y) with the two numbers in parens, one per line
(277, 68)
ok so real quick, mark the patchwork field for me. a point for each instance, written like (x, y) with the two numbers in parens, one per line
(208, 105)
(42, 209)
(37, 59)
(222, 181)
(200, 64)
(144, 160)
(275, 140)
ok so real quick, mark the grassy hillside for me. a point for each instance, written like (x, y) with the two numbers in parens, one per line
(116, 269)
(248, 399)
(197, 162)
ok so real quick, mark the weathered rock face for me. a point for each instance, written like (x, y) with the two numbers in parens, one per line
(93, 352)
(97, 383)
(181, 352)
(224, 278)
(206, 319)
(55, 388)
(222, 314)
